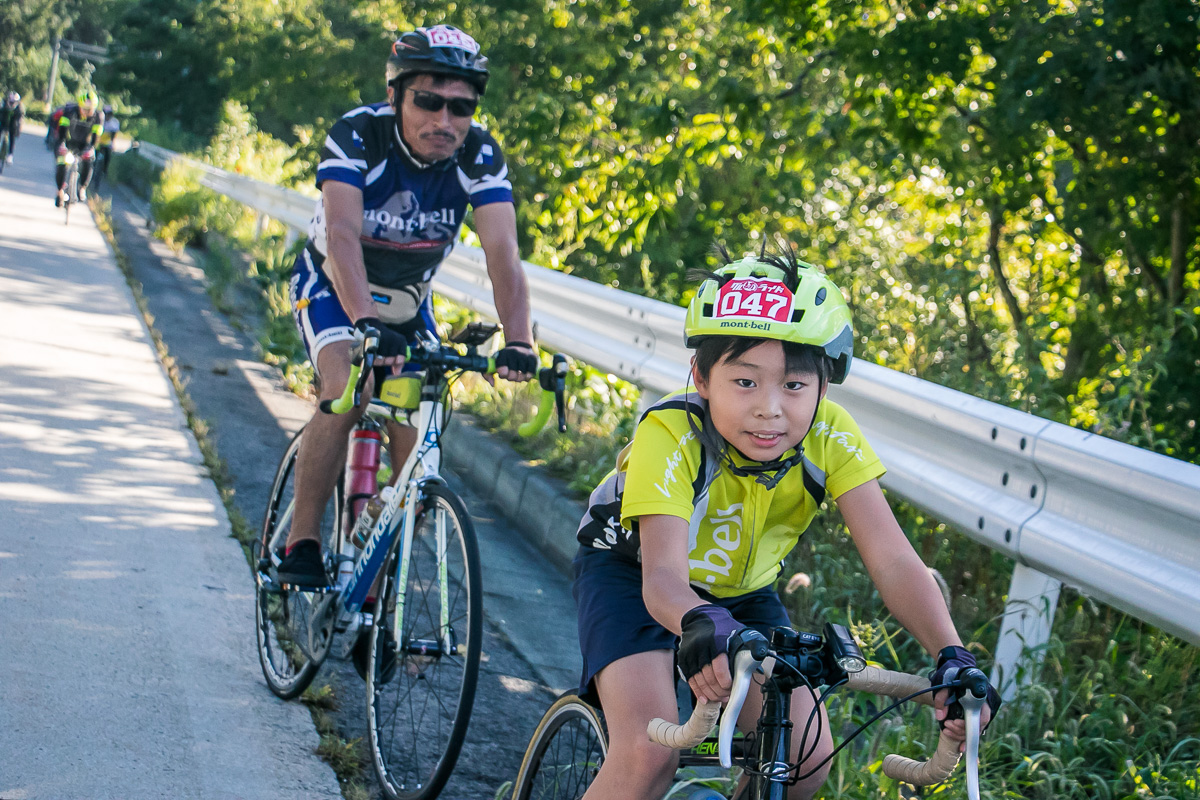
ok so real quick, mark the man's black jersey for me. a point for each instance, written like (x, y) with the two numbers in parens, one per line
(78, 131)
(412, 211)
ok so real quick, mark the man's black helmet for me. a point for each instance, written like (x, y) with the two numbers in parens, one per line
(438, 50)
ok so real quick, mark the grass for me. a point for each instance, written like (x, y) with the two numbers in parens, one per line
(346, 757)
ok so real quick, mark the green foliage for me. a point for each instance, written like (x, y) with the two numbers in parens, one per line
(247, 259)
(1007, 192)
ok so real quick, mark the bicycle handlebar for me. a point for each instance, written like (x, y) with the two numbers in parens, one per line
(970, 682)
(552, 379)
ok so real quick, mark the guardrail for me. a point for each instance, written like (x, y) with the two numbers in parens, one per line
(1120, 523)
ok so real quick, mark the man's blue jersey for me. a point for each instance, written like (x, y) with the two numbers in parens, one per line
(412, 211)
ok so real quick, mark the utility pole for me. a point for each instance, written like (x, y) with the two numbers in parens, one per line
(53, 75)
(87, 52)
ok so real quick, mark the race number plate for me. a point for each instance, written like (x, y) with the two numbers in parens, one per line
(443, 36)
(754, 298)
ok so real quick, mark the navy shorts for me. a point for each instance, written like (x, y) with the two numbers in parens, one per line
(614, 621)
(319, 314)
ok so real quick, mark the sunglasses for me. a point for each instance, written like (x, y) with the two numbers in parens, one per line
(430, 101)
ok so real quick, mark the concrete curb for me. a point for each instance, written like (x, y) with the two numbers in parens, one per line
(537, 505)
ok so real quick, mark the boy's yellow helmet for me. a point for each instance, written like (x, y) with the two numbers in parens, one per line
(755, 298)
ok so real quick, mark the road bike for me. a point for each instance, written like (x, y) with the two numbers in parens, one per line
(405, 595)
(570, 743)
(71, 184)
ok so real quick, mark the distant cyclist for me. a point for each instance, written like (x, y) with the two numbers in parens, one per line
(79, 129)
(107, 137)
(11, 114)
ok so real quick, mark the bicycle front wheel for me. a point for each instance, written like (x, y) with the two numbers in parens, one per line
(421, 684)
(3, 149)
(293, 628)
(565, 753)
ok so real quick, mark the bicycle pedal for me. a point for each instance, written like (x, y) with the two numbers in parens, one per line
(267, 583)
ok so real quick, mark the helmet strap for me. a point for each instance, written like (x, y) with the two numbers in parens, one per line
(767, 473)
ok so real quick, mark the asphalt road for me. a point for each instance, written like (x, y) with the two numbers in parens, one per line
(529, 649)
(127, 666)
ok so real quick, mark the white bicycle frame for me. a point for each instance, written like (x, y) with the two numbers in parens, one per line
(422, 466)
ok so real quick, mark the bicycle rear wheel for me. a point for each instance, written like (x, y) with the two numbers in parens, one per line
(421, 689)
(564, 754)
(293, 629)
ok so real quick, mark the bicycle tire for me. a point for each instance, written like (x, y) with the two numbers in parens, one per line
(564, 754)
(283, 618)
(419, 700)
(4, 142)
(72, 188)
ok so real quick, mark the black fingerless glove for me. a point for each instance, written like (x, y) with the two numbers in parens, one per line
(391, 342)
(706, 633)
(951, 661)
(517, 360)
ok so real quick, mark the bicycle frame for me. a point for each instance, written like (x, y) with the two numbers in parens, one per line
(422, 466)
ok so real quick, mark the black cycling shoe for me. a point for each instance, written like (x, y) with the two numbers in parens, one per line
(303, 566)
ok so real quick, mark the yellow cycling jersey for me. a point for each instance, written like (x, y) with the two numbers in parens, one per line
(739, 531)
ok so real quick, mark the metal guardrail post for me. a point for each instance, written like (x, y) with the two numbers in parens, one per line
(1028, 618)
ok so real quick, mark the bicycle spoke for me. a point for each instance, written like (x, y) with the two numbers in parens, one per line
(288, 633)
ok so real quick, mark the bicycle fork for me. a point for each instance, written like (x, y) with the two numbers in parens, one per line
(445, 644)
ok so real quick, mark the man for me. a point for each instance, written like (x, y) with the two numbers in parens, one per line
(78, 129)
(395, 180)
(11, 114)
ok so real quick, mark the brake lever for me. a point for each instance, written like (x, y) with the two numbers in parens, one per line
(971, 694)
(973, 706)
(744, 666)
(559, 368)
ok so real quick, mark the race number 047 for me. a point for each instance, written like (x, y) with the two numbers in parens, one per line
(759, 299)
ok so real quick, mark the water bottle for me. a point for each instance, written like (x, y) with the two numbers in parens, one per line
(362, 467)
(370, 513)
